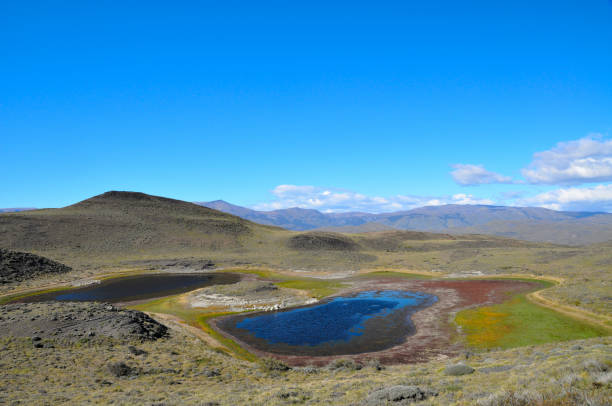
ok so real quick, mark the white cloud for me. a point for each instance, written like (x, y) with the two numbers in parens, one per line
(596, 198)
(585, 160)
(337, 200)
(462, 198)
(467, 175)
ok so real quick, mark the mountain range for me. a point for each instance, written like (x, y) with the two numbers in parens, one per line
(524, 223)
(14, 209)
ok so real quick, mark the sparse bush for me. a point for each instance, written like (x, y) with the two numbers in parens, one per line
(594, 365)
(604, 379)
(136, 351)
(375, 364)
(272, 364)
(293, 395)
(120, 369)
(398, 393)
(511, 398)
(309, 369)
(344, 363)
(570, 379)
(532, 398)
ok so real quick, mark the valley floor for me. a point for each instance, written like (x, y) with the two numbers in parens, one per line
(183, 370)
(196, 365)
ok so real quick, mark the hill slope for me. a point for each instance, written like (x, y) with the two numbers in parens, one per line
(125, 225)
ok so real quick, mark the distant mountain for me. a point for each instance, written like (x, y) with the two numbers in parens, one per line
(363, 228)
(15, 209)
(525, 223)
(292, 219)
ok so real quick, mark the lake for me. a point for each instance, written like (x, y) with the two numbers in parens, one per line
(362, 322)
(137, 287)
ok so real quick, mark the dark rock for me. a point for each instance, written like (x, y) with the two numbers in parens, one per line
(266, 288)
(136, 351)
(211, 372)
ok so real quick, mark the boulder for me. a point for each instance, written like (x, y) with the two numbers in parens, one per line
(458, 369)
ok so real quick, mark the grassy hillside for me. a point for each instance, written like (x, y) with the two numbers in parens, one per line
(125, 225)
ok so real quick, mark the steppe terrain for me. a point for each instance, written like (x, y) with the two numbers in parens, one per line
(545, 341)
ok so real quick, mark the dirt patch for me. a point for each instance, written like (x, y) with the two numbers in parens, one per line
(247, 295)
(434, 336)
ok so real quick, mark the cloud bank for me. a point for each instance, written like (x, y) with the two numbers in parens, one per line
(470, 175)
(586, 160)
(597, 198)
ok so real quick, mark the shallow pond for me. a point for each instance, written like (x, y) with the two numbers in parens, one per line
(363, 322)
(138, 287)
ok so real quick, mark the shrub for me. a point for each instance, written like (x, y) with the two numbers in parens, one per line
(272, 364)
(344, 363)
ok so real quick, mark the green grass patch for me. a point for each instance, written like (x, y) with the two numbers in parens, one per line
(262, 273)
(196, 318)
(393, 274)
(233, 346)
(18, 296)
(519, 322)
(318, 288)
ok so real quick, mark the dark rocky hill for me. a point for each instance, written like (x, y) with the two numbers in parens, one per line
(19, 266)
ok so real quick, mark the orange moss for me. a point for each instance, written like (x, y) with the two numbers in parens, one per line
(484, 326)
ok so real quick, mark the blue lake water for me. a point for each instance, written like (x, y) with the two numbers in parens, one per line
(339, 320)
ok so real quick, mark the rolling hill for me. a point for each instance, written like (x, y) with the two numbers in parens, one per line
(125, 225)
(525, 223)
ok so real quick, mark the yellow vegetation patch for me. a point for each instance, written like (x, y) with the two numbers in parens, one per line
(484, 326)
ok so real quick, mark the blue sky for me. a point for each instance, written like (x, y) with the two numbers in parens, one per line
(346, 106)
